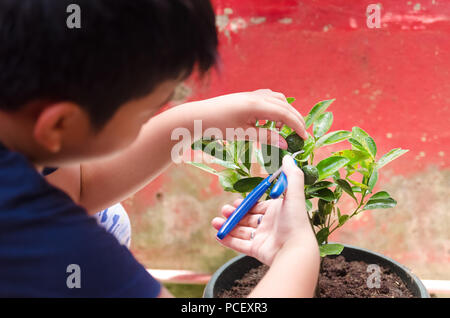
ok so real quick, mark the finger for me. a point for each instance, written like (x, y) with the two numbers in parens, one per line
(270, 137)
(237, 244)
(263, 91)
(237, 202)
(251, 220)
(287, 106)
(279, 96)
(284, 115)
(259, 208)
(268, 93)
(242, 232)
(217, 222)
(295, 179)
(294, 111)
(227, 210)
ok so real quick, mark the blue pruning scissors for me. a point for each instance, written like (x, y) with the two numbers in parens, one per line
(253, 197)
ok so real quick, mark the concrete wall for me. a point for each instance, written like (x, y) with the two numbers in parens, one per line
(394, 82)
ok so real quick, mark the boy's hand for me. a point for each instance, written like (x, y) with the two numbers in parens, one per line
(272, 225)
(96, 188)
(242, 110)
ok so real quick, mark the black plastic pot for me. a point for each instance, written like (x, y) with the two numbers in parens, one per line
(235, 269)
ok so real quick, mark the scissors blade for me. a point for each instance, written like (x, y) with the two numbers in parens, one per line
(277, 173)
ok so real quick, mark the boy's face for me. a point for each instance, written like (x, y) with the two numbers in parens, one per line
(80, 142)
(124, 127)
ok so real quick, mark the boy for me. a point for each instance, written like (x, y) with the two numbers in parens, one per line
(78, 99)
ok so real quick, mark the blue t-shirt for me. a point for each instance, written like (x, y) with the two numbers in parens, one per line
(50, 246)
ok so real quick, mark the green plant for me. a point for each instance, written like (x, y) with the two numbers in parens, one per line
(352, 171)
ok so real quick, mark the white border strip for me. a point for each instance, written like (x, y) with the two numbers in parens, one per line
(191, 277)
(179, 276)
(437, 286)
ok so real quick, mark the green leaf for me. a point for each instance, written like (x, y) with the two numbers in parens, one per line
(359, 134)
(245, 156)
(308, 204)
(355, 156)
(330, 165)
(308, 147)
(322, 235)
(381, 195)
(362, 141)
(337, 193)
(211, 147)
(346, 187)
(371, 146)
(333, 137)
(259, 156)
(350, 170)
(272, 157)
(228, 178)
(285, 131)
(380, 200)
(242, 172)
(343, 218)
(317, 218)
(270, 124)
(290, 100)
(316, 111)
(373, 179)
(324, 207)
(203, 167)
(357, 145)
(357, 189)
(330, 249)
(226, 164)
(319, 185)
(322, 124)
(247, 184)
(201, 143)
(336, 175)
(324, 194)
(391, 155)
(358, 184)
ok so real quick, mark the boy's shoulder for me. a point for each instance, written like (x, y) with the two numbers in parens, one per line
(46, 239)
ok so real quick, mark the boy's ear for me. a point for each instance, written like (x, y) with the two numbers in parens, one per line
(54, 122)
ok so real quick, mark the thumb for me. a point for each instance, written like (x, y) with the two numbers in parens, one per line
(294, 174)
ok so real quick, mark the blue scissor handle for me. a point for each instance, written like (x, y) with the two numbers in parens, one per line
(249, 202)
(279, 187)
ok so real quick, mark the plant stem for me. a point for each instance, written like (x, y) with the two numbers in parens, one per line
(361, 203)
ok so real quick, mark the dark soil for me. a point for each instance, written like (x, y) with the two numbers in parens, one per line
(338, 279)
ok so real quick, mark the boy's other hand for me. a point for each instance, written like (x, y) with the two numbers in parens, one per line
(242, 110)
(272, 225)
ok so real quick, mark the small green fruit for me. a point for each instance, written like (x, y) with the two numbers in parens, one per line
(311, 174)
(295, 143)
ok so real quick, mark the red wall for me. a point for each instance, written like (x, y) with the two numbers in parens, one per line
(393, 81)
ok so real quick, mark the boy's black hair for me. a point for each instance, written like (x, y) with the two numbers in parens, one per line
(123, 49)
